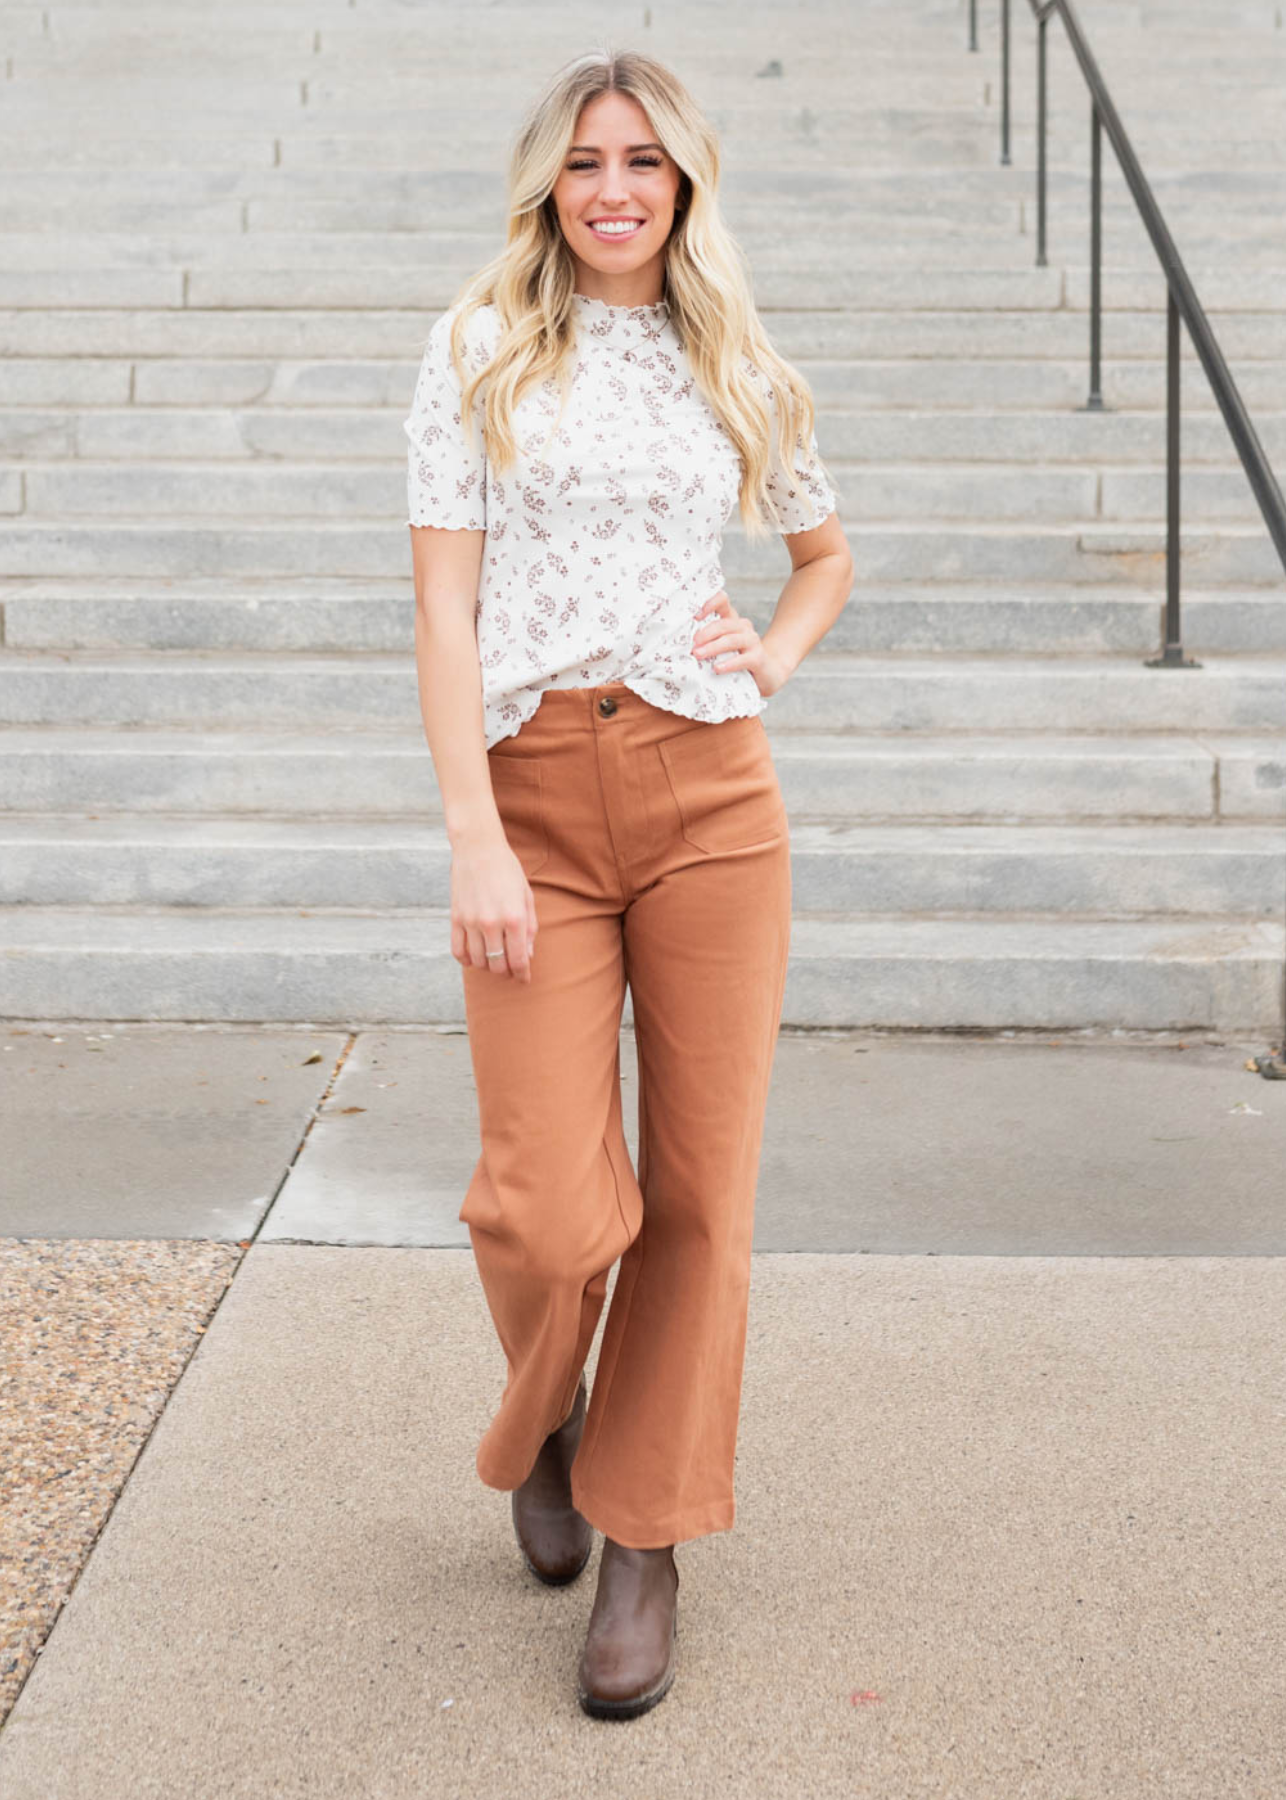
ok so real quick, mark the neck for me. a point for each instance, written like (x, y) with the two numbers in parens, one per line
(640, 287)
(620, 305)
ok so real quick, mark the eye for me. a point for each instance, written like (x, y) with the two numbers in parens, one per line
(643, 162)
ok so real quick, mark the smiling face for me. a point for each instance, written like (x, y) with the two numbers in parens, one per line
(615, 200)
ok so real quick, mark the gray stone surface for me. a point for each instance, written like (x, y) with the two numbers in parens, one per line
(120, 1132)
(1238, 871)
(1236, 552)
(975, 617)
(1004, 1527)
(974, 1147)
(824, 775)
(207, 606)
(390, 1155)
(904, 972)
(881, 1144)
(1090, 1145)
(838, 692)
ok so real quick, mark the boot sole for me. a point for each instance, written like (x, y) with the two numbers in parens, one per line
(598, 1708)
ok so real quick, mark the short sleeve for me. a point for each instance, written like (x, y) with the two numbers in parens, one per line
(802, 497)
(446, 474)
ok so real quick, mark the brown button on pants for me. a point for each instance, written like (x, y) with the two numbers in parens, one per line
(658, 853)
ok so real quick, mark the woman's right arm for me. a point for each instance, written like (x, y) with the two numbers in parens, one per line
(491, 898)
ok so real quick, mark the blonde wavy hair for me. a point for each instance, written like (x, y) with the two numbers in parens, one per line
(707, 285)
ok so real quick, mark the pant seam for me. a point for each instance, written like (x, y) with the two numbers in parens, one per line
(608, 1376)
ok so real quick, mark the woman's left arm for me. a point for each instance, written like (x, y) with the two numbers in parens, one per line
(813, 598)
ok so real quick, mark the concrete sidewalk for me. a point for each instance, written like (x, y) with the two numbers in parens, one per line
(1008, 1480)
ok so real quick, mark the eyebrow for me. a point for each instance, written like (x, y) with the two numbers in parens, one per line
(629, 147)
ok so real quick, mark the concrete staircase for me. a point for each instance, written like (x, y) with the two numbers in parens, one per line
(220, 254)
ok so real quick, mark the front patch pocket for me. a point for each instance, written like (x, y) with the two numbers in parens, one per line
(724, 784)
(518, 786)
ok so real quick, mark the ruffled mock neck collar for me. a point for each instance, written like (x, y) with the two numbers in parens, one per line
(620, 326)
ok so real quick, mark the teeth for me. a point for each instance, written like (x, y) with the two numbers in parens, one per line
(613, 229)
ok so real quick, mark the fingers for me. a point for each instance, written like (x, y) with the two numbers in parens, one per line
(516, 960)
(722, 646)
(478, 940)
(502, 946)
(737, 640)
(498, 932)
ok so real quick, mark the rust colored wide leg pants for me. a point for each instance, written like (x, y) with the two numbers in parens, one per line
(658, 853)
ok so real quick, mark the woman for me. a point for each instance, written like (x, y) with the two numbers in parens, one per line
(587, 413)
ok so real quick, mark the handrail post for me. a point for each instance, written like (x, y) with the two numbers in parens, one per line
(1172, 656)
(1094, 402)
(1004, 81)
(973, 24)
(1041, 258)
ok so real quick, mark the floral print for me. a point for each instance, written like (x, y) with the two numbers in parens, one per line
(603, 538)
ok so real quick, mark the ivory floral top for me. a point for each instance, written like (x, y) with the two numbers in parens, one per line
(603, 539)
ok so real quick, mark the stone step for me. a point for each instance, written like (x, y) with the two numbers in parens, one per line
(829, 691)
(822, 139)
(94, 323)
(417, 194)
(91, 439)
(1105, 870)
(910, 549)
(254, 489)
(86, 233)
(169, 77)
(894, 972)
(299, 106)
(841, 137)
(249, 797)
(411, 39)
(272, 143)
(98, 144)
(936, 618)
(1227, 139)
(841, 776)
(127, 210)
(1161, 144)
(791, 283)
(795, 283)
(354, 68)
(325, 236)
(91, 19)
(229, 233)
(425, 58)
(256, 234)
(58, 405)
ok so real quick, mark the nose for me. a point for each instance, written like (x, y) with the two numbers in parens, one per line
(614, 190)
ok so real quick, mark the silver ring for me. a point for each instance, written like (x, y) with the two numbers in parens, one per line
(495, 952)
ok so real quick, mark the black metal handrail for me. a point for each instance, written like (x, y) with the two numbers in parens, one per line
(1182, 301)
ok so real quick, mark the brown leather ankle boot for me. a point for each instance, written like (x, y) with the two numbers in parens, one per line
(554, 1538)
(628, 1661)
